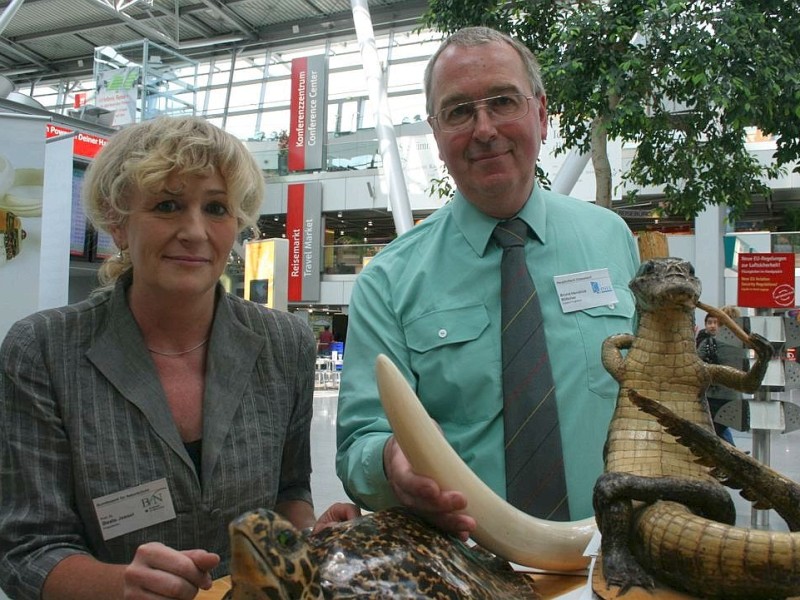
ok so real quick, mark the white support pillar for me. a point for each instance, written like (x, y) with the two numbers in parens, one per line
(392, 167)
(709, 264)
(570, 171)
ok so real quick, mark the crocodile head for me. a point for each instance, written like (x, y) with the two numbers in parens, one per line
(662, 283)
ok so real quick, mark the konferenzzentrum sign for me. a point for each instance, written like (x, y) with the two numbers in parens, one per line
(307, 113)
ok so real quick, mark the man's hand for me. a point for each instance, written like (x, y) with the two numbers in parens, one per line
(337, 513)
(423, 495)
(159, 570)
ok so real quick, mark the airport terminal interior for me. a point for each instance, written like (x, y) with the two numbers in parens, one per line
(90, 67)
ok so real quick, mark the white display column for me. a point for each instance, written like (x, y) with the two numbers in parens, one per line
(709, 264)
(35, 205)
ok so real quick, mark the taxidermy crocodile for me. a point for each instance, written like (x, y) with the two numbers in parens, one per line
(664, 513)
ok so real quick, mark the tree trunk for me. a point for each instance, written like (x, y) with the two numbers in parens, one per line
(601, 164)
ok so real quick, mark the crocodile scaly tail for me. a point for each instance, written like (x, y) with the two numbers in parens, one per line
(758, 483)
(691, 552)
(716, 560)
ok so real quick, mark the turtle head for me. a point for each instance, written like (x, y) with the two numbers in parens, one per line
(270, 559)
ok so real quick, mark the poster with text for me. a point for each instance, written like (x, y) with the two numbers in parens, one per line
(117, 91)
(265, 279)
(766, 280)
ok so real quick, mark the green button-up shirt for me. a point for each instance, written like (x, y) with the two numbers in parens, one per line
(430, 301)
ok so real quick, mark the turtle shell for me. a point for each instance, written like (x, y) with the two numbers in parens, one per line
(387, 554)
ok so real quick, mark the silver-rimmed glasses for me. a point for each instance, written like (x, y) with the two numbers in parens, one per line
(502, 109)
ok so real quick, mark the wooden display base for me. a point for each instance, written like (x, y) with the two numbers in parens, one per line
(661, 592)
(217, 591)
(549, 586)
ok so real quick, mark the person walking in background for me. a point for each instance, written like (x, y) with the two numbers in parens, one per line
(431, 300)
(325, 339)
(713, 350)
(135, 425)
(710, 327)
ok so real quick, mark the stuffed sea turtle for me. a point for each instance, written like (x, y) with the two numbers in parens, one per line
(387, 554)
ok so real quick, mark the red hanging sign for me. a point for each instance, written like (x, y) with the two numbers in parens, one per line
(766, 280)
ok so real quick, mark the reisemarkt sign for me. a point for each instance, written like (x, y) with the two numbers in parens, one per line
(304, 230)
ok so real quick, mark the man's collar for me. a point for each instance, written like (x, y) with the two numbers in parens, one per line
(477, 226)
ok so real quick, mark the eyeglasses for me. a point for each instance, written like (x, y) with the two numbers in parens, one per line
(505, 108)
(11, 227)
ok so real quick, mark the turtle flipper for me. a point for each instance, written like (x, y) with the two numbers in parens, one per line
(763, 486)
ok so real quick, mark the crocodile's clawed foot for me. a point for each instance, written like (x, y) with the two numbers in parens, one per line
(622, 572)
(625, 584)
(761, 345)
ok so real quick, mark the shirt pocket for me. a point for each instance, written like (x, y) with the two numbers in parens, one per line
(447, 326)
(452, 355)
(595, 325)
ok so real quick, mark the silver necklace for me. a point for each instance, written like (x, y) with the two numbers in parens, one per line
(181, 353)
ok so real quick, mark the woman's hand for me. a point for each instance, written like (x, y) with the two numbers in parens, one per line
(158, 570)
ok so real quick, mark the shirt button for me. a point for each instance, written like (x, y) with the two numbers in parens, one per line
(443, 333)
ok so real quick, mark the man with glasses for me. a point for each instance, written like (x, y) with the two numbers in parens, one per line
(431, 301)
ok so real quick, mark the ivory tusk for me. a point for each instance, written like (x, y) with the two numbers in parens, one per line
(501, 528)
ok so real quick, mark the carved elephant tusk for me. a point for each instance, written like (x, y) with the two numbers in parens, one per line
(501, 528)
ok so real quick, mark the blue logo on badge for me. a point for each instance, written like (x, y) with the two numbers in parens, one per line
(600, 289)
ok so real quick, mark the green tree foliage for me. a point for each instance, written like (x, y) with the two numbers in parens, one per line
(680, 79)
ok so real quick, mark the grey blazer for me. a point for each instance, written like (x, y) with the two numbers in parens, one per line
(83, 415)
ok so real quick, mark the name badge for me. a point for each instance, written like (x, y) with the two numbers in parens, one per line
(133, 509)
(587, 289)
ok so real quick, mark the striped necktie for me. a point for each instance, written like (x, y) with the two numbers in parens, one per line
(535, 480)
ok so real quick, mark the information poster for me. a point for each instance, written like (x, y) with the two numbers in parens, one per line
(117, 91)
(766, 280)
(78, 222)
(265, 272)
